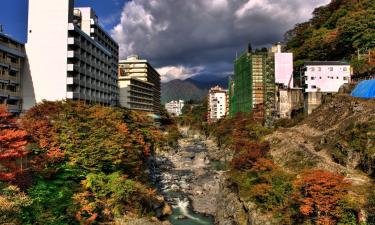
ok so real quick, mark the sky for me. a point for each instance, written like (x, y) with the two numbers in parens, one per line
(184, 38)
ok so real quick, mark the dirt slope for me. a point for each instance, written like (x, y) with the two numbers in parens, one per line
(339, 136)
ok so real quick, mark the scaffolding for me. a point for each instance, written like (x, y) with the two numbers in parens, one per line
(253, 86)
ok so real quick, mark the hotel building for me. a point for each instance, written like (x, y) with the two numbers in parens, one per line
(12, 55)
(217, 104)
(69, 56)
(139, 85)
(175, 107)
(322, 78)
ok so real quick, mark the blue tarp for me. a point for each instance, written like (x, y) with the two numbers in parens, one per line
(365, 89)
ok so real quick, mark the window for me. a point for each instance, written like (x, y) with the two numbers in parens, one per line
(313, 86)
(312, 78)
(346, 78)
(320, 77)
(337, 78)
(312, 69)
(345, 69)
(319, 69)
(330, 68)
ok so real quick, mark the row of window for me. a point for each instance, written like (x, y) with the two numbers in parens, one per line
(329, 77)
(329, 68)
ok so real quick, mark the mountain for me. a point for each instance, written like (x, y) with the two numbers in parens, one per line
(181, 89)
(194, 88)
(206, 81)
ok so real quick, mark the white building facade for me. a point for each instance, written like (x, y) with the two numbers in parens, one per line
(283, 66)
(326, 76)
(69, 56)
(174, 107)
(217, 103)
(323, 78)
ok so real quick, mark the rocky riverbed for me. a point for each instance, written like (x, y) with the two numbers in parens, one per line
(187, 179)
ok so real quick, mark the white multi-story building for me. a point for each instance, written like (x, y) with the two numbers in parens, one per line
(217, 103)
(326, 76)
(175, 107)
(321, 78)
(145, 97)
(69, 56)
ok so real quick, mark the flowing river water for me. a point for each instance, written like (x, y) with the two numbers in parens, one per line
(187, 179)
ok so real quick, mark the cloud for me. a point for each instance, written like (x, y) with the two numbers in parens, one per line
(189, 34)
(168, 73)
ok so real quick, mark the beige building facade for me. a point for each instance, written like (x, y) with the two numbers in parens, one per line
(12, 55)
(139, 85)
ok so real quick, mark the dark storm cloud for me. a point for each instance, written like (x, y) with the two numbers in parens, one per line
(195, 36)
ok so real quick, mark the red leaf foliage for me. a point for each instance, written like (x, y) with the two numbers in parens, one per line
(319, 193)
(13, 141)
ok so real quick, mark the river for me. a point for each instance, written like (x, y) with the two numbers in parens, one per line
(187, 179)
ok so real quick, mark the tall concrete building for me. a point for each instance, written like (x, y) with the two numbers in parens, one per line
(69, 55)
(12, 55)
(217, 104)
(254, 85)
(145, 95)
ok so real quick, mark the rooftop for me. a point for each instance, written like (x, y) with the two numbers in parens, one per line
(326, 63)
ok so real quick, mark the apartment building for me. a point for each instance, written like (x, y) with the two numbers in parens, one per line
(175, 107)
(134, 69)
(12, 55)
(69, 56)
(217, 104)
(322, 78)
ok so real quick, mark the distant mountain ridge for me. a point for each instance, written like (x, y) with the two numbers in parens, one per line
(193, 88)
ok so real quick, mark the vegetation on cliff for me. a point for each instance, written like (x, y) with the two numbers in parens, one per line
(341, 30)
(85, 164)
(310, 188)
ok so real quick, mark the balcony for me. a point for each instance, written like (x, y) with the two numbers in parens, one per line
(73, 67)
(11, 94)
(13, 108)
(74, 41)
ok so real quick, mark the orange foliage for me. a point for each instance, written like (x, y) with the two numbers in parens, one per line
(12, 146)
(319, 193)
(253, 158)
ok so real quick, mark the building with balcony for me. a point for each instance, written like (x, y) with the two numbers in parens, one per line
(321, 78)
(12, 55)
(175, 107)
(217, 104)
(136, 94)
(69, 56)
(139, 70)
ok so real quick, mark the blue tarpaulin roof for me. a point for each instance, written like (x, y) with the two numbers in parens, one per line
(365, 89)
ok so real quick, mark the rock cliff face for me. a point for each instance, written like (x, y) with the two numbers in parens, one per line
(232, 210)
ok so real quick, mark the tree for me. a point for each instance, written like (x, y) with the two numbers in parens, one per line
(12, 200)
(318, 196)
(12, 146)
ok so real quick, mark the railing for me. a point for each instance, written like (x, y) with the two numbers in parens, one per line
(12, 46)
(10, 93)
(11, 78)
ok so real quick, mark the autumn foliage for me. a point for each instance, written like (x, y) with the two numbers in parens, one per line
(87, 162)
(319, 194)
(12, 146)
